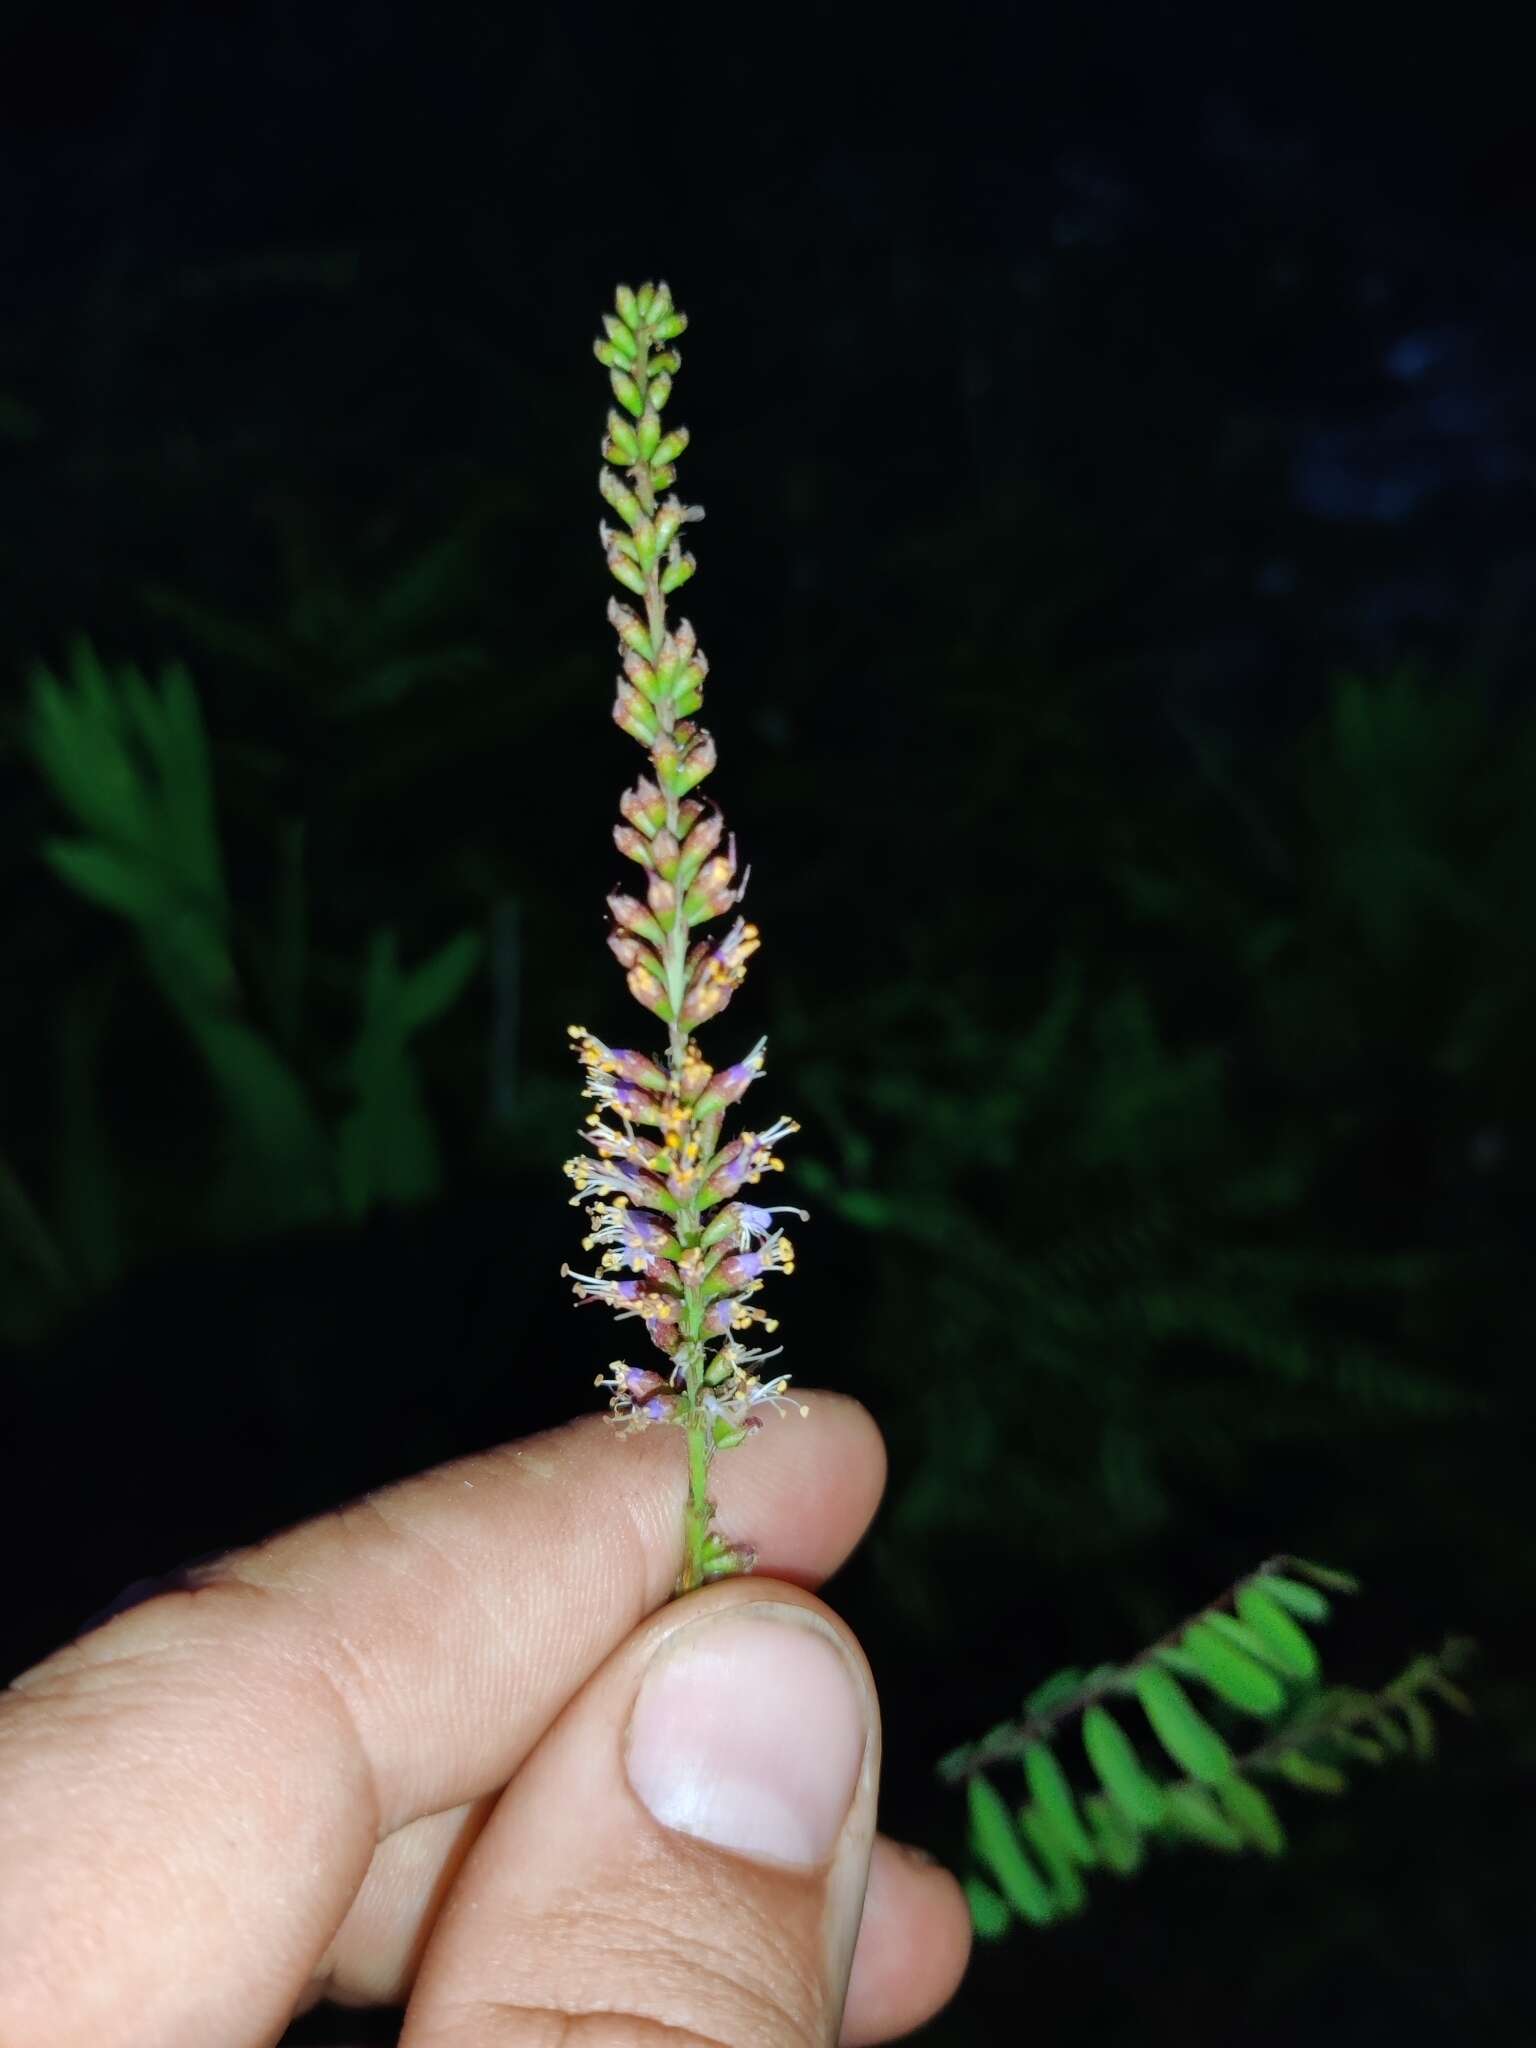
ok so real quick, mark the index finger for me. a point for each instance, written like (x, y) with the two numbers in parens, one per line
(193, 1792)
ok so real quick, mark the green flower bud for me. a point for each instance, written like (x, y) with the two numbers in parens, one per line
(670, 446)
(633, 632)
(668, 524)
(627, 392)
(661, 302)
(624, 434)
(629, 311)
(668, 363)
(643, 300)
(620, 336)
(648, 434)
(627, 573)
(633, 844)
(661, 391)
(663, 476)
(673, 324)
(676, 574)
(620, 497)
(607, 355)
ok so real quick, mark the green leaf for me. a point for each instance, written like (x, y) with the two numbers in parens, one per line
(1050, 1791)
(1184, 1732)
(1191, 1811)
(1306, 1601)
(1067, 1892)
(436, 985)
(1231, 1673)
(1308, 1773)
(1119, 1769)
(995, 1841)
(1285, 1643)
(1251, 1814)
(1120, 1846)
(989, 1915)
(1421, 1727)
(116, 881)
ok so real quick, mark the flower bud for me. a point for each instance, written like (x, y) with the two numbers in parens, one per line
(661, 301)
(660, 392)
(698, 846)
(670, 446)
(669, 522)
(634, 845)
(647, 988)
(664, 852)
(634, 633)
(607, 355)
(620, 497)
(674, 323)
(663, 475)
(633, 915)
(627, 392)
(627, 572)
(711, 894)
(662, 897)
(638, 671)
(644, 806)
(677, 573)
(647, 434)
(728, 1434)
(632, 714)
(666, 364)
(629, 311)
(625, 948)
(695, 764)
(620, 336)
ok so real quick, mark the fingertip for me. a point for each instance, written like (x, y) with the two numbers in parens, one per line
(914, 1944)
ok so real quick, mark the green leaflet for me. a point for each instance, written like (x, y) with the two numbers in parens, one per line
(1059, 1686)
(1119, 1769)
(1050, 1791)
(1285, 1643)
(989, 1914)
(1312, 1776)
(1192, 1812)
(1325, 1575)
(1231, 1672)
(1184, 1732)
(1421, 1727)
(1251, 1814)
(1068, 1893)
(1306, 1601)
(996, 1843)
(1241, 1634)
(1120, 1847)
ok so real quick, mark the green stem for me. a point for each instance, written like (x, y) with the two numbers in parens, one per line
(698, 1512)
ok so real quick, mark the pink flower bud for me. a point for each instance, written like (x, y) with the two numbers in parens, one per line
(632, 714)
(696, 763)
(664, 852)
(638, 670)
(646, 986)
(662, 897)
(632, 631)
(635, 917)
(644, 806)
(633, 844)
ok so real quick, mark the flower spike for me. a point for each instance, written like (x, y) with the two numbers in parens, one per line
(679, 1252)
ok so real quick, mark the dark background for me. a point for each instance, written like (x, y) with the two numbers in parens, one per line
(1116, 433)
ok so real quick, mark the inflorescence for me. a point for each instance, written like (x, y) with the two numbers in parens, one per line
(678, 1247)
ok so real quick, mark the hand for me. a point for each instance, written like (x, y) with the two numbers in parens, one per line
(449, 1743)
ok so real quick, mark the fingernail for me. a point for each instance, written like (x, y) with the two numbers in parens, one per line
(749, 1731)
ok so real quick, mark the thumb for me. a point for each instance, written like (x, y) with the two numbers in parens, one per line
(682, 1859)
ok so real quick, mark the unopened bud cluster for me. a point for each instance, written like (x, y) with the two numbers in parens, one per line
(679, 1247)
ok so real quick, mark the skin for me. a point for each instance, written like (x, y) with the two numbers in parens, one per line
(380, 1757)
